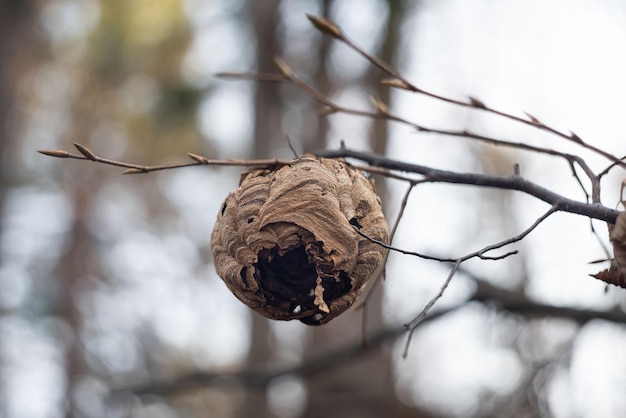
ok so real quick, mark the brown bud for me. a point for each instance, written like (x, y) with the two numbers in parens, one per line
(197, 158)
(54, 153)
(134, 171)
(283, 67)
(325, 26)
(85, 151)
(533, 119)
(477, 103)
(380, 105)
(575, 137)
(395, 82)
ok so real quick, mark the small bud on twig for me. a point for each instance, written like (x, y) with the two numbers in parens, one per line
(283, 67)
(197, 158)
(395, 82)
(325, 26)
(54, 153)
(477, 103)
(533, 119)
(382, 107)
(134, 171)
(85, 151)
(575, 137)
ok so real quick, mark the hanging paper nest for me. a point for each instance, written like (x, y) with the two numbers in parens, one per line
(285, 244)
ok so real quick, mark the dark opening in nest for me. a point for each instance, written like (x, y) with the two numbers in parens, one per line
(291, 279)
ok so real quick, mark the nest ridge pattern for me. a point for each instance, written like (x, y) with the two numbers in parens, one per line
(285, 245)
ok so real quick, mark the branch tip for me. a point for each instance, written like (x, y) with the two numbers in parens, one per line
(85, 151)
(396, 82)
(477, 103)
(54, 153)
(325, 26)
(533, 119)
(380, 105)
(283, 67)
(575, 137)
(197, 158)
(134, 171)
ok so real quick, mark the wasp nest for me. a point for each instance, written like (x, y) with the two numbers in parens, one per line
(285, 245)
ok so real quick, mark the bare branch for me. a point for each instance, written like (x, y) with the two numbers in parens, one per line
(518, 183)
(412, 326)
(323, 24)
(593, 210)
(392, 234)
(87, 154)
(331, 107)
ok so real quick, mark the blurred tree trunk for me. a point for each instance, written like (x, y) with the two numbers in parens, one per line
(364, 388)
(267, 111)
(17, 45)
(316, 128)
(267, 102)
(76, 264)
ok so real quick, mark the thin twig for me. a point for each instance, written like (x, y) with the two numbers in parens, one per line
(430, 174)
(481, 253)
(609, 168)
(332, 107)
(392, 234)
(295, 153)
(87, 154)
(362, 304)
(398, 81)
(411, 326)
(383, 112)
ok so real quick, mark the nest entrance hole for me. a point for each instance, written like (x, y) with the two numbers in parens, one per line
(292, 277)
(289, 277)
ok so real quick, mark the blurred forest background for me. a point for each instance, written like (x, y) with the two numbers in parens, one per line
(106, 282)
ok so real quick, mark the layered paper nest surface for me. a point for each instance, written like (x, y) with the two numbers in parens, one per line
(285, 242)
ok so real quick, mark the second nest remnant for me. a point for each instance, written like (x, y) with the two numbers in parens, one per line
(285, 245)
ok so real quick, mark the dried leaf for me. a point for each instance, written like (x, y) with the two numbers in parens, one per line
(612, 275)
(284, 242)
(618, 239)
(616, 273)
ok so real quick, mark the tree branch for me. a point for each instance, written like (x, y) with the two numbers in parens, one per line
(591, 210)
(87, 154)
(329, 28)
